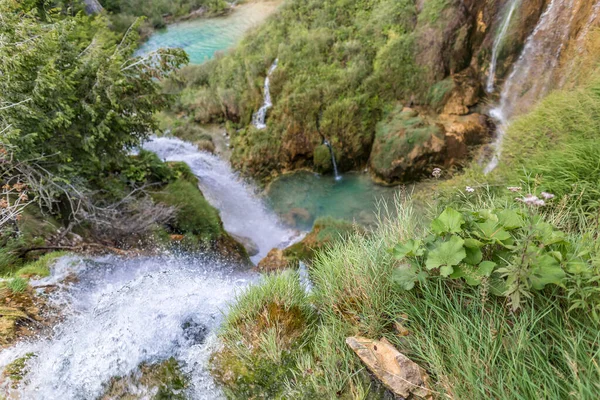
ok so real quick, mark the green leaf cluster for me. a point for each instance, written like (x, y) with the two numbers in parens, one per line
(512, 250)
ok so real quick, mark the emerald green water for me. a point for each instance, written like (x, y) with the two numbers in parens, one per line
(202, 38)
(302, 197)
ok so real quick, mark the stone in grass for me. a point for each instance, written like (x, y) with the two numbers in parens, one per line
(395, 371)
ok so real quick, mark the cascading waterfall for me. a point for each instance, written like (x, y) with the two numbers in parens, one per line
(333, 162)
(498, 45)
(259, 117)
(533, 72)
(243, 213)
(122, 313)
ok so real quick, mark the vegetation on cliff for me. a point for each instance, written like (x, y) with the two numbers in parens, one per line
(343, 65)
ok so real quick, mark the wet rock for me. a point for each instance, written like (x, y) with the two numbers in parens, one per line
(162, 380)
(325, 231)
(251, 247)
(274, 261)
(206, 145)
(297, 216)
(462, 132)
(395, 371)
(194, 331)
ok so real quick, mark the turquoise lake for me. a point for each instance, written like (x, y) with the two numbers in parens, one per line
(202, 38)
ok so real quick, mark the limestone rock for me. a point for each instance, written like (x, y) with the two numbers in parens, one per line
(274, 261)
(251, 247)
(464, 94)
(395, 371)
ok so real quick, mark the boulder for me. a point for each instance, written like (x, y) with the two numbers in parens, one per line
(461, 133)
(407, 147)
(465, 93)
(392, 368)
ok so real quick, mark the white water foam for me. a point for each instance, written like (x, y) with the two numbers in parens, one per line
(498, 45)
(122, 313)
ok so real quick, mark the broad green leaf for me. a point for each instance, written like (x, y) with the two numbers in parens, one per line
(405, 276)
(546, 271)
(412, 248)
(510, 219)
(474, 255)
(450, 221)
(492, 231)
(446, 255)
(486, 268)
(473, 243)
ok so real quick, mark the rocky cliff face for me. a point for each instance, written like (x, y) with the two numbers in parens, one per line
(398, 86)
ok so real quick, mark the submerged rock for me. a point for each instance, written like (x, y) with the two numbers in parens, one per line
(396, 371)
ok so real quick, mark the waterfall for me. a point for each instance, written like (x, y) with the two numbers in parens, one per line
(333, 162)
(533, 71)
(124, 312)
(243, 213)
(259, 117)
(304, 277)
(498, 45)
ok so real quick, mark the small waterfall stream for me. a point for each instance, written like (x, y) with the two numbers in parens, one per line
(533, 73)
(498, 45)
(333, 162)
(243, 213)
(259, 117)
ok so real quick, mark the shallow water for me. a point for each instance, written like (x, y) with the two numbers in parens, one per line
(202, 38)
(354, 197)
(123, 312)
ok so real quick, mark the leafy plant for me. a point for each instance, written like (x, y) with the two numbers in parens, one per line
(512, 249)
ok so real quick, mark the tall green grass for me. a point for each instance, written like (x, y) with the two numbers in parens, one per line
(469, 341)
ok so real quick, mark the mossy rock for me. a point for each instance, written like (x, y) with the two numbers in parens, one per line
(325, 231)
(161, 381)
(16, 370)
(262, 337)
(406, 146)
(195, 219)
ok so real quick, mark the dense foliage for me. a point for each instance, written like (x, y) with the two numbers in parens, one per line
(124, 11)
(341, 64)
(74, 97)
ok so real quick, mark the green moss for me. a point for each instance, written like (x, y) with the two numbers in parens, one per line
(398, 134)
(322, 159)
(41, 266)
(17, 369)
(439, 92)
(263, 335)
(325, 232)
(194, 214)
(164, 379)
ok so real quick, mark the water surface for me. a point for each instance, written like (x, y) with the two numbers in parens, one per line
(301, 197)
(202, 38)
